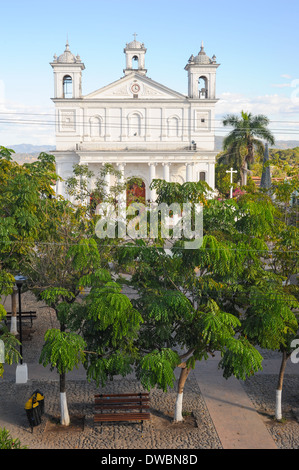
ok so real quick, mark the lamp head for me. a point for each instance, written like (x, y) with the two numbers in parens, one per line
(20, 280)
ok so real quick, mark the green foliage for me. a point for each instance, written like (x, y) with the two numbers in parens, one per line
(95, 279)
(202, 300)
(103, 368)
(80, 183)
(240, 359)
(270, 319)
(7, 442)
(284, 162)
(243, 142)
(222, 178)
(25, 190)
(180, 193)
(109, 308)
(11, 348)
(62, 350)
(286, 262)
(156, 368)
(6, 153)
(256, 216)
(83, 253)
(109, 325)
(216, 326)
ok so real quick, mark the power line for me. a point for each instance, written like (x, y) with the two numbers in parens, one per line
(278, 131)
(151, 118)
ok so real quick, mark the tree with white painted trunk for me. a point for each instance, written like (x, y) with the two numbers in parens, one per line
(186, 300)
(272, 319)
(198, 301)
(272, 324)
(182, 326)
(63, 351)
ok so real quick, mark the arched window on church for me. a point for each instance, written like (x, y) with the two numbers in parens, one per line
(173, 126)
(95, 126)
(202, 176)
(134, 125)
(202, 88)
(67, 87)
(135, 62)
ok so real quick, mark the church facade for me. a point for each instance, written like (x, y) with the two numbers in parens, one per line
(143, 128)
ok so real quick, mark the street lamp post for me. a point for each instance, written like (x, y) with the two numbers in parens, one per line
(21, 372)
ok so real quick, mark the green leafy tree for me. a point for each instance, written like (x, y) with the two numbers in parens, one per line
(63, 351)
(243, 141)
(272, 324)
(89, 188)
(109, 324)
(191, 299)
(24, 192)
(224, 296)
(65, 253)
(283, 191)
(284, 263)
(182, 324)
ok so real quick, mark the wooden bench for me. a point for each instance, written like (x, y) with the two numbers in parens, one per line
(121, 407)
(24, 315)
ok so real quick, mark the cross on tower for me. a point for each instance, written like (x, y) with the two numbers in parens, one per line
(135, 34)
(231, 171)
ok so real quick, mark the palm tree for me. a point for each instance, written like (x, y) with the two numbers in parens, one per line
(243, 141)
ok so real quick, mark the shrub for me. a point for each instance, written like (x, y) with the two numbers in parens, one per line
(7, 442)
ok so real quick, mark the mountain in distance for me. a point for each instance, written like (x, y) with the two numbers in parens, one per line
(28, 152)
(279, 144)
(29, 148)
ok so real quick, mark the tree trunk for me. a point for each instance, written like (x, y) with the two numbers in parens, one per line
(178, 416)
(278, 413)
(64, 419)
(245, 170)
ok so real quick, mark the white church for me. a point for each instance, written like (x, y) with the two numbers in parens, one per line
(144, 128)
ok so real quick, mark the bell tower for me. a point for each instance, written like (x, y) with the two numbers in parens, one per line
(135, 57)
(202, 76)
(67, 70)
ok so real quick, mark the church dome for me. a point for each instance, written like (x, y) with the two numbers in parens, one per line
(202, 57)
(135, 45)
(67, 57)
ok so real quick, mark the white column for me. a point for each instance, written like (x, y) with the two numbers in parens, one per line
(166, 171)
(152, 176)
(59, 184)
(122, 203)
(107, 182)
(189, 172)
(121, 168)
(211, 175)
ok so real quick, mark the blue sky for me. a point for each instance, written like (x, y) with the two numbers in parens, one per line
(256, 43)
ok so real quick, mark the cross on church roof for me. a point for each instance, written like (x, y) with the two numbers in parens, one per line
(135, 34)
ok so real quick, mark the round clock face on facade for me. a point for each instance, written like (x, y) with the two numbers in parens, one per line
(135, 88)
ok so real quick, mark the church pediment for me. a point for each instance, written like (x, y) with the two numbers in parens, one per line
(134, 84)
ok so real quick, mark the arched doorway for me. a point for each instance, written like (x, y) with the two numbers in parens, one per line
(135, 191)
